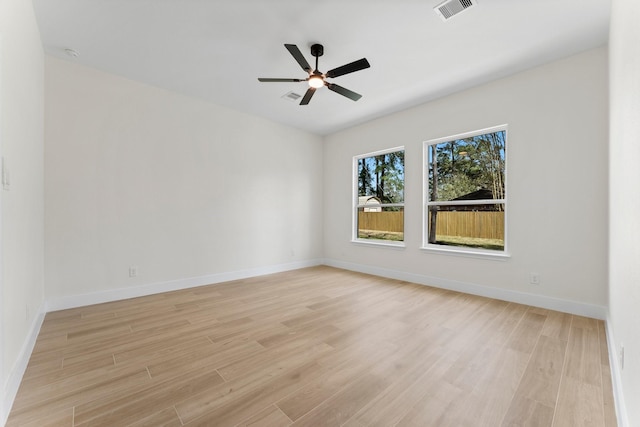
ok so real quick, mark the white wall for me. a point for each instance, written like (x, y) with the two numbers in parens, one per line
(182, 189)
(624, 275)
(557, 186)
(21, 144)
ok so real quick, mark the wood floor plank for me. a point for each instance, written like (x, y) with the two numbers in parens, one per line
(269, 417)
(69, 369)
(256, 377)
(583, 356)
(441, 397)
(61, 418)
(579, 404)
(342, 373)
(299, 349)
(37, 368)
(487, 404)
(525, 412)
(85, 382)
(165, 418)
(344, 404)
(535, 399)
(148, 351)
(557, 325)
(258, 398)
(526, 334)
(582, 322)
(419, 397)
(134, 406)
(312, 347)
(541, 379)
(28, 408)
(402, 395)
(307, 332)
(205, 357)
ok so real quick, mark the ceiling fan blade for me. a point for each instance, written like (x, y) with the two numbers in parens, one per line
(297, 55)
(358, 65)
(262, 79)
(344, 91)
(307, 96)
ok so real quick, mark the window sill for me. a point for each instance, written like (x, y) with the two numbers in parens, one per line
(469, 253)
(382, 243)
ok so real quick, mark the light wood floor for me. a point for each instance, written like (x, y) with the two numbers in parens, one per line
(316, 347)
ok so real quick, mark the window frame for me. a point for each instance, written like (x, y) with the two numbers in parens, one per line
(356, 206)
(461, 250)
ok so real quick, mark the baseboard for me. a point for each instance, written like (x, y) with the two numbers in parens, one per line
(616, 377)
(550, 303)
(63, 303)
(15, 376)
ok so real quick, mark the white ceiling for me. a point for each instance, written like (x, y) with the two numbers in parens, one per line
(216, 49)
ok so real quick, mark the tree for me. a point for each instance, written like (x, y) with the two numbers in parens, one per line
(391, 182)
(468, 165)
(382, 176)
(365, 179)
(433, 210)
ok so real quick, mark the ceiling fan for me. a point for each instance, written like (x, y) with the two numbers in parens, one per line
(317, 79)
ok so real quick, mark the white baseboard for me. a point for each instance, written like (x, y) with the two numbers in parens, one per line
(550, 303)
(73, 301)
(616, 377)
(15, 376)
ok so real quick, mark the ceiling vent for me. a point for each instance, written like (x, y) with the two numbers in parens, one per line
(449, 8)
(291, 96)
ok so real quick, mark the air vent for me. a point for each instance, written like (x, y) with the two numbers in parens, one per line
(449, 8)
(291, 96)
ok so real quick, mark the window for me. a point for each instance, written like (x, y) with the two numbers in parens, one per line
(379, 202)
(465, 191)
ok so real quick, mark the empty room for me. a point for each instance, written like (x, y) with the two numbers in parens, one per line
(303, 213)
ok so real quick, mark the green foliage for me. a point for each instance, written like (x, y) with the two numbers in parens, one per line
(467, 165)
(382, 176)
(458, 185)
(365, 179)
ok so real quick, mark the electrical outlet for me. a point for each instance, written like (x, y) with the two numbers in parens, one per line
(534, 279)
(133, 271)
(621, 356)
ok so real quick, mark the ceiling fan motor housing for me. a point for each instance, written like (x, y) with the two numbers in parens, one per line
(317, 50)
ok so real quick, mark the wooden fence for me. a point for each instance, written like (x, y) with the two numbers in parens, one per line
(485, 225)
(382, 221)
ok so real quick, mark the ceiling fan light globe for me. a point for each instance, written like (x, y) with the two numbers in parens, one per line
(316, 82)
